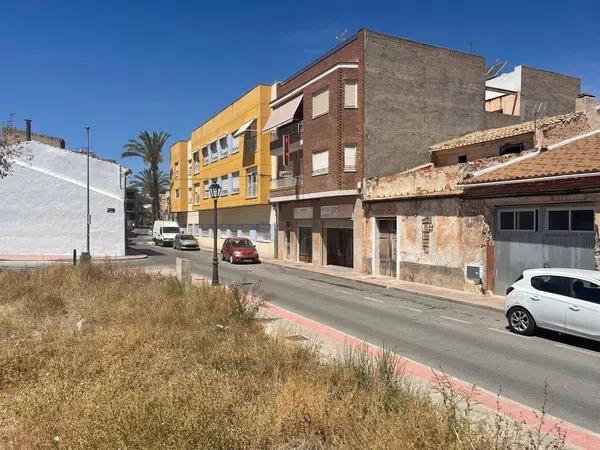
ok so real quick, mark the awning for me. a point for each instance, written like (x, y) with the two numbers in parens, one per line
(283, 114)
(243, 128)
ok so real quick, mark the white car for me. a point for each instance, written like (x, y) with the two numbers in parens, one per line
(563, 300)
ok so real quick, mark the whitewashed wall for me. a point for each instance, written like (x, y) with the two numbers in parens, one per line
(43, 205)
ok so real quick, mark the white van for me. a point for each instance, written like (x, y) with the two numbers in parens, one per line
(163, 232)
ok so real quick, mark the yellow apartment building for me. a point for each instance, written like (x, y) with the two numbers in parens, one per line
(229, 149)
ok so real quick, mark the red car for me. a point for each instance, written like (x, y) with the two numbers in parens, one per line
(239, 250)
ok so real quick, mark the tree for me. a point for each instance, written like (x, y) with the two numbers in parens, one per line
(10, 149)
(144, 183)
(149, 147)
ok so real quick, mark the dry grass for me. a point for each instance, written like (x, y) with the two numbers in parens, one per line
(112, 358)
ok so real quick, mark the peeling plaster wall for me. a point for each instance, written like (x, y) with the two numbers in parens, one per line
(43, 208)
(460, 235)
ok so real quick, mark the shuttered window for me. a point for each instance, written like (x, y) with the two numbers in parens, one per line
(320, 103)
(320, 163)
(350, 158)
(235, 183)
(350, 94)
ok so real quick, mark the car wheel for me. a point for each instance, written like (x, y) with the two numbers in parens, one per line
(520, 321)
(231, 259)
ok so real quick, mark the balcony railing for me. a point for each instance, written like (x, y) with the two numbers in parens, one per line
(294, 131)
(283, 183)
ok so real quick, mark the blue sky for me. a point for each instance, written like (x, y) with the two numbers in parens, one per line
(126, 66)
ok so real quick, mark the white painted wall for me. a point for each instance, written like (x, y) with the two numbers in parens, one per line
(43, 205)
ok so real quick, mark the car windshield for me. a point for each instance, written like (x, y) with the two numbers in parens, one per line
(241, 243)
(170, 230)
(186, 237)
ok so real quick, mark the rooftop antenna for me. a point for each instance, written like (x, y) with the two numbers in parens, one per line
(539, 110)
(494, 70)
(471, 46)
(341, 37)
(11, 116)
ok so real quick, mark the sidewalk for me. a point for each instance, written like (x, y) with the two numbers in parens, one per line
(65, 258)
(492, 302)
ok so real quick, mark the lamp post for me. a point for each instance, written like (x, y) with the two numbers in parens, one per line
(215, 193)
(88, 217)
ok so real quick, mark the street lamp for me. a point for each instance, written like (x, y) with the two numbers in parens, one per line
(88, 218)
(215, 193)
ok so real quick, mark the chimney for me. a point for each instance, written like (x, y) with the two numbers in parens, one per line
(27, 129)
(589, 105)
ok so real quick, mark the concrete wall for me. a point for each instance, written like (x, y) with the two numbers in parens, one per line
(416, 95)
(497, 120)
(558, 92)
(43, 208)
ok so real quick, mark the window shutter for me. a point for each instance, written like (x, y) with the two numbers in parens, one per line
(350, 94)
(350, 158)
(320, 103)
(320, 162)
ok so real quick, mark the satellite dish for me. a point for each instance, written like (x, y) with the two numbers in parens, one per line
(494, 71)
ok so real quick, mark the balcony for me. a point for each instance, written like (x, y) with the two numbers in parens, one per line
(294, 131)
(288, 182)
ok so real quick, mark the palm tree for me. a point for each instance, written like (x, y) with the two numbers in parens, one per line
(149, 147)
(144, 183)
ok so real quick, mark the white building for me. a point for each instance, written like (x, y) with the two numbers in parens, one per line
(43, 204)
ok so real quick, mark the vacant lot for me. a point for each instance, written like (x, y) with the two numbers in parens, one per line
(113, 358)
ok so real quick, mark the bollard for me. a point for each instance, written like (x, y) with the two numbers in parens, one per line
(74, 257)
(183, 268)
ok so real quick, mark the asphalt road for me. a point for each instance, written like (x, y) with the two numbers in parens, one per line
(464, 341)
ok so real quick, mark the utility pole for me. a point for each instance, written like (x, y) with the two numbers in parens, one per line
(88, 217)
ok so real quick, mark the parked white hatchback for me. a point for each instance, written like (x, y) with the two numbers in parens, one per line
(563, 300)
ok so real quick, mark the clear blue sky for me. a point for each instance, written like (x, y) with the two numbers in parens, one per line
(126, 66)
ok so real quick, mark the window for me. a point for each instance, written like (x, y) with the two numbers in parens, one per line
(462, 159)
(350, 94)
(235, 183)
(224, 182)
(251, 183)
(552, 284)
(576, 219)
(176, 170)
(177, 193)
(350, 158)
(320, 103)
(250, 141)
(196, 158)
(586, 290)
(263, 233)
(205, 155)
(520, 220)
(196, 193)
(206, 191)
(189, 199)
(214, 151)
(582, 220)
(189, 166)
(224, 146)
(235, 145)
(320, 163)
(511, 148)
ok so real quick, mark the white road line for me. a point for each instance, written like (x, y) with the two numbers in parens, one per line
(343, 292)
(374, 299)
(315, 284)
(408, 307)
(456, 320)
(578, 350)
(507, 332)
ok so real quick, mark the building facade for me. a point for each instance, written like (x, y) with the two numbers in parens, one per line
(476, 224)
(43, 208)
(371, 107)
(229, 149)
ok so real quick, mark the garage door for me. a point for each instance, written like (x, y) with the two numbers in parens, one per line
(547, 236)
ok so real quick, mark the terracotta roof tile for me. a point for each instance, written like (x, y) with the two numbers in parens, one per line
(492, 134)
(578, 156)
